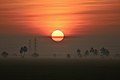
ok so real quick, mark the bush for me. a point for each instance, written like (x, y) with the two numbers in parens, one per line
(4, 54)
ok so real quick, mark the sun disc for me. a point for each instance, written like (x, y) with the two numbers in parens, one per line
(57, 35)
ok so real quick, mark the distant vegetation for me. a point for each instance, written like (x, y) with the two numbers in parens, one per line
(23, 50)
(4, 54)
(92, 52)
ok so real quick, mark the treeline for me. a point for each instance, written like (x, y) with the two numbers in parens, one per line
(91, 52)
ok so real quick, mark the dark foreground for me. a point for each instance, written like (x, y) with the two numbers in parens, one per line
(59, 69)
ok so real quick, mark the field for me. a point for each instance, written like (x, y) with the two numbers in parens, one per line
(59, 68)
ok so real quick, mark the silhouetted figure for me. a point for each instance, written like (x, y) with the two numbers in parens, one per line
(86, 53)
(79, 52)
(23, 50)
(4, 54)
(68, 55)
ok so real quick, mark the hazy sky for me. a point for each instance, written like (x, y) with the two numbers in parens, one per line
(71, 16)
(83, 18)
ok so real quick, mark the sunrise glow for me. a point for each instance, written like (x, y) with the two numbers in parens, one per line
(73, 17)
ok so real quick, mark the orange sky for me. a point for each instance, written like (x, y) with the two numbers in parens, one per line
(73, 17)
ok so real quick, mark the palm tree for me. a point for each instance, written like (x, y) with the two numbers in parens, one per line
(4, 54)
(23, 50)
(78, 52)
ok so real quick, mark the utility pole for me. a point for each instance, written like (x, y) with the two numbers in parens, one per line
(35, 48)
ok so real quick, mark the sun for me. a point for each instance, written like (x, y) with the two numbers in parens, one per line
(57, 35)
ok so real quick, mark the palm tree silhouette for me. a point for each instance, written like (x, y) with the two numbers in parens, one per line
(23, 50)
(78, 52)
